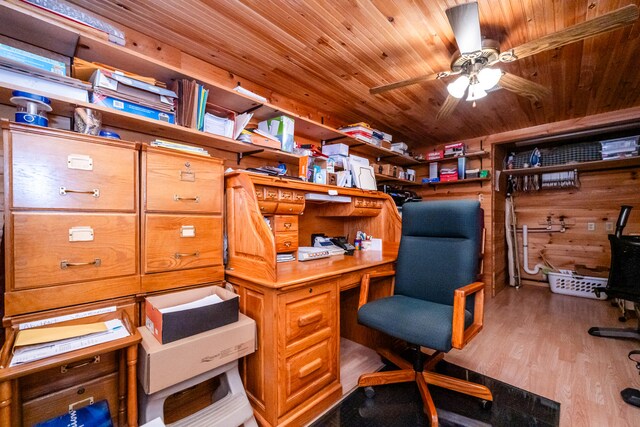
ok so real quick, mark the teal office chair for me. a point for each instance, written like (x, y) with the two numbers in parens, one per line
(429, 307)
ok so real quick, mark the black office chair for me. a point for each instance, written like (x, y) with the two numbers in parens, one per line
(624, 276)
(436, 271)
(624, 283)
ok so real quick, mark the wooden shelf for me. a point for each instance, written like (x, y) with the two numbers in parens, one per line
(387, 178)
(114, 118)
(583, 166)
(468, 155)
(380, 153)
(458, 182)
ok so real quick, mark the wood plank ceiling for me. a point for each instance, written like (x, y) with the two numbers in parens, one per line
(327, 54)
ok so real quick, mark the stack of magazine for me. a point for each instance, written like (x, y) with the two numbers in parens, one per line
(172, 145)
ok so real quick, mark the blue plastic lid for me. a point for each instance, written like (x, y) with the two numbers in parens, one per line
(26, 95)
(109, 134)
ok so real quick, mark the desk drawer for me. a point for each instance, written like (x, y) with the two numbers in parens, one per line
(178, 183)
(306, 373)
(67, 375)
(285, 223)
(289, 208)
(56, 173)
(58, 402)
(286, 242)
(307, 312)
(105, 245)
(175, 242)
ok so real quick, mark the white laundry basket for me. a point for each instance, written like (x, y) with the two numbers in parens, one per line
(573, 284)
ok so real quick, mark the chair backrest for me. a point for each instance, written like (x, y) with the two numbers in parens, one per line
(439, 249)
(624, 276)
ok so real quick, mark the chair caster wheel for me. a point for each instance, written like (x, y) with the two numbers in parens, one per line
(622, 319)
(369, 392)
(486, 404)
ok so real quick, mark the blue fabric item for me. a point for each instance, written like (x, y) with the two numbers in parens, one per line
(439, 253)
(419, 322)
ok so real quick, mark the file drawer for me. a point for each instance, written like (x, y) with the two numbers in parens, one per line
(55, 248)
(285, 223)
(52, 172)
(306, 373)
(308, 311)
(286, 242)
(175, 242)
(179, 183)
(77, 396)
(289, 208)
(68, 375)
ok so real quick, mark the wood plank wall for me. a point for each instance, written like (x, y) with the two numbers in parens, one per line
(597, 201)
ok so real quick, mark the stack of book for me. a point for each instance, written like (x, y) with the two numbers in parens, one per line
(116, 90)
(172, 145)
(360, 131)
(448, 174)
(29, 67)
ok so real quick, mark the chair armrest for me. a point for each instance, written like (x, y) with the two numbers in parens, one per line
(461, 336)
(364, 284)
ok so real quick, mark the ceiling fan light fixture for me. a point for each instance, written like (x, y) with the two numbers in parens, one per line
(489, 77)
(476, 92)
(458, 86)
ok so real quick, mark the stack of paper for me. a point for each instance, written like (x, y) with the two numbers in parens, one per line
(285, 257)
(36, 344)
(172, 145)
(218, 125)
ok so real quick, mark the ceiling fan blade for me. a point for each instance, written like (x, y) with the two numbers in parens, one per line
(602, 24)
(447, 108)
(403, 83)
(465, 23)
(523, 87)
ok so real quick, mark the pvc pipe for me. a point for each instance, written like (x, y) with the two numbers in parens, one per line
(537, 267)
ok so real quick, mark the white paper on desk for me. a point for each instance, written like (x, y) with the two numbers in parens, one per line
(116, 330)
(210, 300)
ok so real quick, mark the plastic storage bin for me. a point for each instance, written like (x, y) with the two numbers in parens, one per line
(572, 284)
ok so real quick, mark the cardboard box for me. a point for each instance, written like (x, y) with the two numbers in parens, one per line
(161, 366)
(130, 107)
(118, 85)
(385, 144)
(169, 327)
(25, 54)
(265, 141)
(386, 169)
(435, 155)
(282, 128)
(335, 150)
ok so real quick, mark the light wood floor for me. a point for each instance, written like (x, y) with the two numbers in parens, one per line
(538, 341)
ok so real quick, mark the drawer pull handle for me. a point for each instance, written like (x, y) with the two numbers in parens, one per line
(179, 255)
(66, 368)
(87, 401)
(65, 264)
(287, 244)
(310, 318)
(187, 199)
(287, 225)
(95, 192)
(310, 368)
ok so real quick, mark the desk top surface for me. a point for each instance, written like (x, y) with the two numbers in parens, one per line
(296, 272)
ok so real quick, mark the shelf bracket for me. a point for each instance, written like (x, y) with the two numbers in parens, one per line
(241, 156)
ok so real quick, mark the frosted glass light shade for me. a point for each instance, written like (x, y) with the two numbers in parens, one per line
(458, 86)
(489, 77)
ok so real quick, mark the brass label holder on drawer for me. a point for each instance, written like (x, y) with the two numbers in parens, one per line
(81, 234)
(94, 192)
(188, 231)
(80, 162)
(65, 264)
(87, 401)
(188, 176)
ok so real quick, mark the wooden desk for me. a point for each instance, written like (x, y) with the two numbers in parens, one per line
(295, 374)
(36, 391)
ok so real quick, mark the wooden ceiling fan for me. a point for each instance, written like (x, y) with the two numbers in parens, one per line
(475, 59)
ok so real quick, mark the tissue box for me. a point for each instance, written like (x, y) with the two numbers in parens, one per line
(168, 327)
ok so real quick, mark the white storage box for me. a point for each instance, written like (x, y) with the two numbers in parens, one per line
(572, 284)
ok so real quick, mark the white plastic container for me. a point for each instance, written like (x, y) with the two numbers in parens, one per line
(573, 284)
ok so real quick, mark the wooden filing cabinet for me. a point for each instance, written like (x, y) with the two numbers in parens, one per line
(71, 212)
(181, 220)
